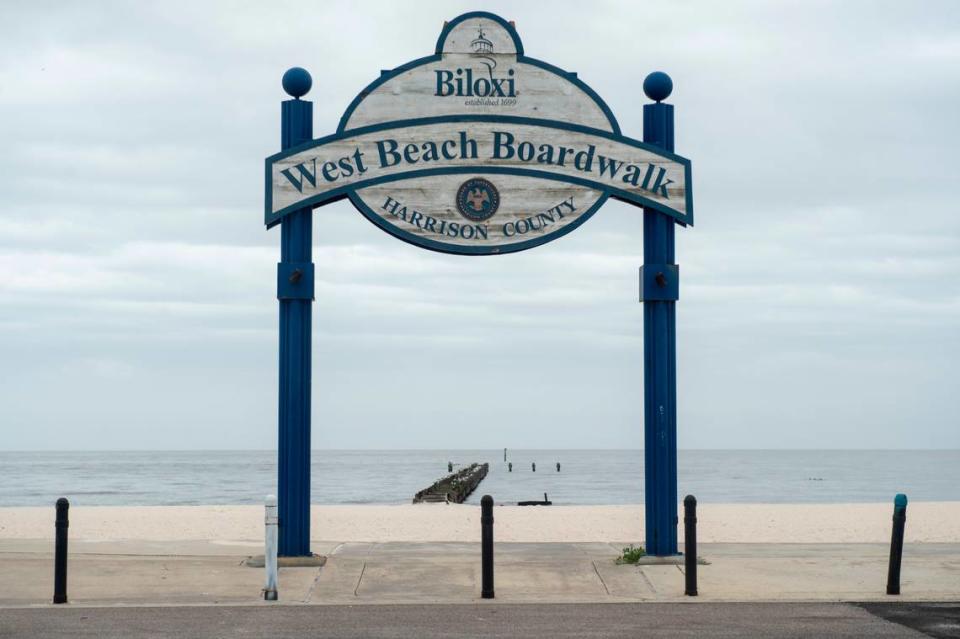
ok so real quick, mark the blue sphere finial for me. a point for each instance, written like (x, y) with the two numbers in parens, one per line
(297, 82)
(658, 86)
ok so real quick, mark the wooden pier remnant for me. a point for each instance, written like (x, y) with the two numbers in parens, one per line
(454, 488)
(536, 502)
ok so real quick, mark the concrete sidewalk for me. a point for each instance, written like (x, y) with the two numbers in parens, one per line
(138, 573)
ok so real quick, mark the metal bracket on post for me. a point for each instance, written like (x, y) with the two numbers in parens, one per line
(295, 281)
(659, 282)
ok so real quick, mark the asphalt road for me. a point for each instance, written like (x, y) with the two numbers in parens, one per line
(593, 621)
(933, 619)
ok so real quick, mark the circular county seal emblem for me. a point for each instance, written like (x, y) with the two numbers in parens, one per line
(477, 199)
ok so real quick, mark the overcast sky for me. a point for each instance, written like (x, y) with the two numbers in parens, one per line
(820, 288)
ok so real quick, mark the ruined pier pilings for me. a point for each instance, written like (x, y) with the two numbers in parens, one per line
(455, 487)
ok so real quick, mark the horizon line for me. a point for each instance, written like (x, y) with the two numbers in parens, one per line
(392, 450)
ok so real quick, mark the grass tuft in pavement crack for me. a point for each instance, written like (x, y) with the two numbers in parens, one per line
(631, 554)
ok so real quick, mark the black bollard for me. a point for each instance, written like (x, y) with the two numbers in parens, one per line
(486, 546)
(449, 467)
(60, 553)
(690, 543)
(558, 467)
(534, 466)
(896, 544)
(510, 467)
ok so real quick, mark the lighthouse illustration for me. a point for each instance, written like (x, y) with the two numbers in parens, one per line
(483, 50)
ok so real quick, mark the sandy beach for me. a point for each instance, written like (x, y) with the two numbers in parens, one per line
(927, 522)
(195, 554)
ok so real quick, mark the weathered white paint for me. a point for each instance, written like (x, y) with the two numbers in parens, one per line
(540, 94)
(289, 192)
(460, 39)
(271, 521)
(434, 197)
(477, 73)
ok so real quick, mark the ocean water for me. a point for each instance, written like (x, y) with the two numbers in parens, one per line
(392, 477)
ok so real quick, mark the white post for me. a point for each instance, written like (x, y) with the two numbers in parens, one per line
(270, 552)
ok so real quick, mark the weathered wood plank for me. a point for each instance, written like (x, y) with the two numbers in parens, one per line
(478, 149)
(539, 94)
(540, 208)
(616, 164)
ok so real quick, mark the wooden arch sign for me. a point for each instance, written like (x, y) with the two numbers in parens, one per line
(477, 149)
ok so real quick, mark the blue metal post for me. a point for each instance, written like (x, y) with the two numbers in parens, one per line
(295, 294)
(659, 286)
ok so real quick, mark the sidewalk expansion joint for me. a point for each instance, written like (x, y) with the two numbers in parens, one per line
(313, 585)
(647, 579)
(600, 577)
(363, 569)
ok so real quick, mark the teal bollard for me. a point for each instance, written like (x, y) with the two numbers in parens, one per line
(896, 544)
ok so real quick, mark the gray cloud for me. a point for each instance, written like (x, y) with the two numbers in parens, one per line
(820, 287)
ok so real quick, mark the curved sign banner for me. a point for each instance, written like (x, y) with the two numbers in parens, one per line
(477, 149)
